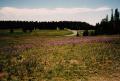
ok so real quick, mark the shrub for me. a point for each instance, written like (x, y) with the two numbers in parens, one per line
(11, 30)
(85, 33)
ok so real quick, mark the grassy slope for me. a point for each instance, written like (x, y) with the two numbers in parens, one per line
(42, 59)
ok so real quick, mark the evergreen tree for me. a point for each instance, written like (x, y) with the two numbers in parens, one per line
(116, 18)
(112, 18)
(107, 18)
(116, 15)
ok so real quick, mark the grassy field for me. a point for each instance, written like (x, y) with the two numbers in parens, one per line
(19, 32)
(46, 57)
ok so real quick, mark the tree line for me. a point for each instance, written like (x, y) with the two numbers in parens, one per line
(109, 26)
(106, 26)
(30, 25)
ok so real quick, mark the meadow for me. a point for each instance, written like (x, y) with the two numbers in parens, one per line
(37, 32)
(48, 55)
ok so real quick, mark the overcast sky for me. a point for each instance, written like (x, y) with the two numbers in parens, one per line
(91, 11)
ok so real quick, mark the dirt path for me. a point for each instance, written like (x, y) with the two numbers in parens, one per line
(74, 33)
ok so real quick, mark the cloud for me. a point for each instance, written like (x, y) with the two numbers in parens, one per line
(42, 14)
(47, 11)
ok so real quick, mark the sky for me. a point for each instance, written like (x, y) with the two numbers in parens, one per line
(91, 11)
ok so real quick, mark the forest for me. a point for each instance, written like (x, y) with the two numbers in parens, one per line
(30, 25)
(111, 26)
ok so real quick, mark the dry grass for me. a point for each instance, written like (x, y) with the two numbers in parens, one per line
(34, 58)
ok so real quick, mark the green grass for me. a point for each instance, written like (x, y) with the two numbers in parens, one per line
(32, 58)
(51, 32)
(7, 32)
(37, 32)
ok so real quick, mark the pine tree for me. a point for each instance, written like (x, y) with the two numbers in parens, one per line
(116, 15)
(112, 18)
